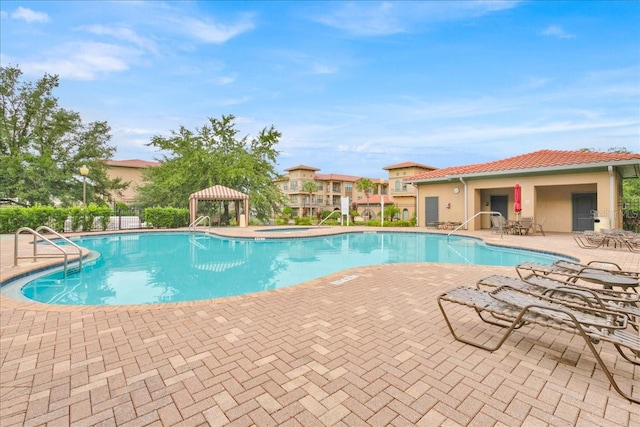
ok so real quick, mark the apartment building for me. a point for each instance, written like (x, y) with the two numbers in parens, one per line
(330, 188)
(402, 193)
(130, 171)
(328, 193)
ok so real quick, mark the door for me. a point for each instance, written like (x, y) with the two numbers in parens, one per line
(431, 210)
(583, 205)
(500, 204)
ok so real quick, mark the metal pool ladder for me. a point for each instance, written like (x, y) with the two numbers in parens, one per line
(473, 217)
(200, 220)
(37, 235)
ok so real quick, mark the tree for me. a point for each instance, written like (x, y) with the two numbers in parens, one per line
(390, 211)
(43, 146)
(365, 185)
(630, 187)
(214, 155)
(309, 187)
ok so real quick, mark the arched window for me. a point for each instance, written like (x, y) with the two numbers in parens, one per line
(405, 214)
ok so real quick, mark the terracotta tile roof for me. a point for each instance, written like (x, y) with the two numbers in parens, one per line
(408, 165)
(375, 200)
(543, 160)
(132, 163)
(309, 168)
(335, 177)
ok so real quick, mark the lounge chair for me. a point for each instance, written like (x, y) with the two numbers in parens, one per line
(591, 240)
(633, 244)
(572, 272)
(619, 301)
(518, 308)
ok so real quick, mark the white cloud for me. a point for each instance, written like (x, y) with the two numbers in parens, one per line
(386, 18)
(81, 61)
(121, 33)
(364, 19)
(29, 15)
(225, 80)
(556, 31)
(318, 68)
(211, 32)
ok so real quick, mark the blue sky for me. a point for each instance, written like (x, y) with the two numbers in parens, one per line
(352, 86)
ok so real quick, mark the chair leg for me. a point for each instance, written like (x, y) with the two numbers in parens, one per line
(514, 325)
(518, 320)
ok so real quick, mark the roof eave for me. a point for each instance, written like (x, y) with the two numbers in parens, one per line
(565, 168)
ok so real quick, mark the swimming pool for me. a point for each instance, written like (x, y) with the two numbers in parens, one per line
(139, 268)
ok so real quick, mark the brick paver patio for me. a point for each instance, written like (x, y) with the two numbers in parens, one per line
(373, 350)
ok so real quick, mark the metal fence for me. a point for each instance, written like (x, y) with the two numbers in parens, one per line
(630, 214)
(124, 219)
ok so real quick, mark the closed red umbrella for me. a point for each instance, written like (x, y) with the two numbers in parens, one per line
(517, 196)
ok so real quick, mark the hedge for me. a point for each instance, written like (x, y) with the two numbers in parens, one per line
(82, 218)
(90, 218)
(166, 217)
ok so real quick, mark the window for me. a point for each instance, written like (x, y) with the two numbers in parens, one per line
(294, 185)
(398, 183)
(336, 188)
(319, 186)
(294, 198)
(285, 186)
(348, 187)
(319, 199)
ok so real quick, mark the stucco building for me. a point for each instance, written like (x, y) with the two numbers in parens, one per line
(568, 190)
(130, 171)
(329, 190)
(403, 193)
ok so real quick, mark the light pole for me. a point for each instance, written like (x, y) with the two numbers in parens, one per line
(381, 203)
(84, 171)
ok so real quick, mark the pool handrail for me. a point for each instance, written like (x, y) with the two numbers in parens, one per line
(197, 221)
(35, 255)
(61, 237)
(473, 217)
(326, 218)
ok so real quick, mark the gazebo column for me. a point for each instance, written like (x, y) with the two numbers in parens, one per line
(193, 209)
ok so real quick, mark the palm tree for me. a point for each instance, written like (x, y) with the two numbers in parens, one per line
(309, 187)
(365, 185)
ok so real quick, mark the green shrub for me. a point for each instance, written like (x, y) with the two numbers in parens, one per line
(166, 217)
(12, 219)
(302, 220)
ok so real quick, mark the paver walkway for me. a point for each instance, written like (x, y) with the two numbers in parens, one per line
(367, 346)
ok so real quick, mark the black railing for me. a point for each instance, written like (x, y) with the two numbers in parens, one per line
(120, 219)
(630, 214)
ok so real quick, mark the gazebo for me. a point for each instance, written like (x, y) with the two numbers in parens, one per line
(220, 193)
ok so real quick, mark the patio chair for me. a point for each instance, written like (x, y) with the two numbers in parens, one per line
(537, 226)
(518, 308)
(572, 272)
(500, 225)
(524, 225)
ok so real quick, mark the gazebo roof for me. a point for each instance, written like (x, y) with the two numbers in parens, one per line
(218, 192)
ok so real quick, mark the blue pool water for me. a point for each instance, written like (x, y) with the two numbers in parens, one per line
(172, 267)
(283, 230)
